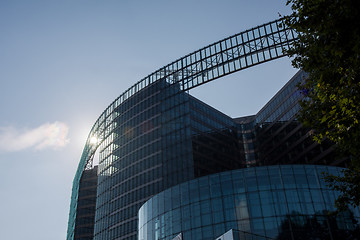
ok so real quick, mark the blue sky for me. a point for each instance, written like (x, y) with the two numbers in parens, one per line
(63, 62)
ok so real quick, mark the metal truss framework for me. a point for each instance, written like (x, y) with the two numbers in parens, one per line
(235, 53)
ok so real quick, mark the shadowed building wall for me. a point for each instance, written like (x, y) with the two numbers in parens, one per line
(85, 216)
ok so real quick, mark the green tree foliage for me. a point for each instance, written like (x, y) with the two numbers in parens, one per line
(328, 49)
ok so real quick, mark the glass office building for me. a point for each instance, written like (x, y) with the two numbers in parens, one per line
(273, 202)
(156, 136)
(163, 137)
(148, 151)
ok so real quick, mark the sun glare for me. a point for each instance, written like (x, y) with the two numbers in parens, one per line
(93, 140)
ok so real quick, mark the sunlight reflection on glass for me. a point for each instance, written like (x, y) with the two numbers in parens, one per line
(93, 140)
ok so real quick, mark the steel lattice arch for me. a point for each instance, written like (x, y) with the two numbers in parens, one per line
(243, 50)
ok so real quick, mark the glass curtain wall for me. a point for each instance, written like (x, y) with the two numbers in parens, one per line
(289, 202)
(148, 150)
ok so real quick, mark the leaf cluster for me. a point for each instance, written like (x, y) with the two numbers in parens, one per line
(348, 186)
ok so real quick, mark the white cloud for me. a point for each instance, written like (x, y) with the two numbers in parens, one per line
(48, 135)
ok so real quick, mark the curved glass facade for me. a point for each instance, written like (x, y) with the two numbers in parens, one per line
(156, 136)
(278, 202)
